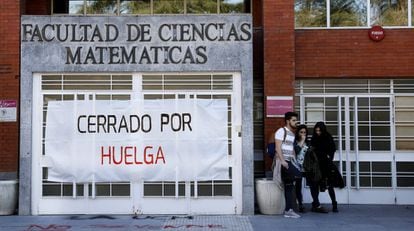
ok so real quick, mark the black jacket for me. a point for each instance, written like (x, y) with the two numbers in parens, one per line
(324, 147)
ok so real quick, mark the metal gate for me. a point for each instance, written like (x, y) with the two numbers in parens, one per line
(195, 197)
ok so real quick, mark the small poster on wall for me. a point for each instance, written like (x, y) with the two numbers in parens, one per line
(277, 106)
(8, 110)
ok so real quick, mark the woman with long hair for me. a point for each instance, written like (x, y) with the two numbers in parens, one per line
(301, 146)
(324, 147)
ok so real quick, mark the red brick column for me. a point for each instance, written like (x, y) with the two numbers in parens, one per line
(279, 55)
(38, 7)
(9, 82)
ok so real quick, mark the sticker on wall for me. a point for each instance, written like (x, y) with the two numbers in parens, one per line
(277, 106)
(8, 110)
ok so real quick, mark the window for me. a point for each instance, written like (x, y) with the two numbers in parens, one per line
(168, 6)
(405, 174)
(68, 6)
(352, 13)
(202, 6)
(310, 13)
(372, 174)
(389, 12)
(348, 13)
(404, 122)
(134, 7)
(231, 6)
(101, 7)
(373, 113)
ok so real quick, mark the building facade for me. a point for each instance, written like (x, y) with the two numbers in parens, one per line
(315, 57)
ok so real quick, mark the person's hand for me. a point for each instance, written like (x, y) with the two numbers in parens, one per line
(285, 164)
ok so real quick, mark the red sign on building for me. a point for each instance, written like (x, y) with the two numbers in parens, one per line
(376, 33)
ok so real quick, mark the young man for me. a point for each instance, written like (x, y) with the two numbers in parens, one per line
(284, 138)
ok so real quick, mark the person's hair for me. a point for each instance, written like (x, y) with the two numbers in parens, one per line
(321, 125)
(289, 115)
(300, 127)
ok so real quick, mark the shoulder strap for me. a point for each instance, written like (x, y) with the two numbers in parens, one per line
(284, 136)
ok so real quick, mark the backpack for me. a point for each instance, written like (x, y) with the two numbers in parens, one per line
(271, 146)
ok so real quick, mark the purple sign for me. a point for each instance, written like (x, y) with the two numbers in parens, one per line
(8, 103)
(277, 106)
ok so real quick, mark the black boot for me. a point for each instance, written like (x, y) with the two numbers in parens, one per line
(335, 207)
(301, 208)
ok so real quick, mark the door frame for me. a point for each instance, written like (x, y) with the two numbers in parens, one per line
(357, 194)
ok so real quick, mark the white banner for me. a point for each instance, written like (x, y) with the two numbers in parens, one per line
(154, 140)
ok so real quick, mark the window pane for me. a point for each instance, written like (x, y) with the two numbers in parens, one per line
(68, 6)
(389, 12)
(121, 189)
(205, 188)
(348, 13)
(380, 116)
(201, 6)
(403, 86)
(379, 86)
(405, 181)
(332, 116)
(232, 6)
(101, 6)
(350, 86)
(67, 189)
(363, 116)
(169, 189)
(404, 119)
(51, 189)
(310, 13)
(405, 167)
(363, 145)
(405, 174)
(222, 190)
(381, 181)
(102, 189)
(383, 145)
(135, 7)
(365, 181)
(152, 189)
(168, 6)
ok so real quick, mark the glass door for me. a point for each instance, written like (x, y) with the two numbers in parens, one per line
(365, 149)
(361, 127)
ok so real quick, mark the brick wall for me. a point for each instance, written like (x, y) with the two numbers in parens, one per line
(9, 81)
(38, 7)
(279, 55)
(350, 53)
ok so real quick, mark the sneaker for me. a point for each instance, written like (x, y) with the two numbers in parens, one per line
(319, 209)
(291, 214)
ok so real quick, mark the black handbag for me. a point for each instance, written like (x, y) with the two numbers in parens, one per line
(292, 173)
(335, 178)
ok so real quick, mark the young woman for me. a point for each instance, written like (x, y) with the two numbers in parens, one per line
(324, 147)
(301, 146)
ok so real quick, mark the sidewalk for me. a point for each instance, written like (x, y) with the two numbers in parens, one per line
(350, 217)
